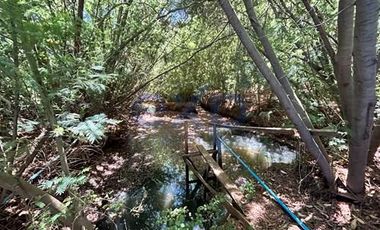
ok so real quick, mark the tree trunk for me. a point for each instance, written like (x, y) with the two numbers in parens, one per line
(364, 100)
(16, 105)
(78, 27)
(279, 72)
(29, 191)
(45, 100)
(375, 142)
(278, 90)
(343, 60)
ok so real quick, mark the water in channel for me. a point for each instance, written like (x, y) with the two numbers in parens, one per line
(160, 140)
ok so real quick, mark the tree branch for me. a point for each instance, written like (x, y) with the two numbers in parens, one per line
(318, 23)
(216, 39)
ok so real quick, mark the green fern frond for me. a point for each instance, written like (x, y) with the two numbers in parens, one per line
(95, 83)
(93, 128)
(62, 184)
(68, 119)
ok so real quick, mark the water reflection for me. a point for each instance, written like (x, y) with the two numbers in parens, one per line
(257, 151)
(165, 189)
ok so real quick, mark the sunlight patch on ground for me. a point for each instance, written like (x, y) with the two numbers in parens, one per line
(105, 170)
(257, 210)
(342, 214)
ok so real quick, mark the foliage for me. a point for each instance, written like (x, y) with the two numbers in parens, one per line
(249, 190)
(176, 219)
(46, 220)
(338, 144)
(91, 129)
(208, 216)
(61, 184)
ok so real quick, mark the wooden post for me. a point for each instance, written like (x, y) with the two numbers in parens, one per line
(219, 154)
(230, 208)
(214, 136)
(187, 176)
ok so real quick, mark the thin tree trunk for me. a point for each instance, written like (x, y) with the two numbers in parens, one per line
(29, 191)
(321, 29)
(46, 103)
(15, 52)
(364, 100)
(343, 60)
(279, 91)
(279, 72)
(78, 27)
(16, 105)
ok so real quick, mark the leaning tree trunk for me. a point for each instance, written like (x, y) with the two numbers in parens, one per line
(29, 191)
(342, 60)
(279, 91)
(320, 26)
(279, 72)
(364, 100)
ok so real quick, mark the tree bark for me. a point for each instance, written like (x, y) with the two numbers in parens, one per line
(279, 91)
(375, 142)
(343, 59)
(78, 27)
(279, 72)
(29, 191)
(364, 100)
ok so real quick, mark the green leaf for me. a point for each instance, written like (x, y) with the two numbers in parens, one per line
(40, 204)
(58, 131)
(93, 128)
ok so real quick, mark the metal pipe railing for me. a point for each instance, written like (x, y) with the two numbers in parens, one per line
(299, 222)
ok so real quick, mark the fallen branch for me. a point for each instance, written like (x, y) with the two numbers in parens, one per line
(35, 147)
(279, 130)
(29, 191)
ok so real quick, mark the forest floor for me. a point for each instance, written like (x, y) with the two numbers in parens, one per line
(299, 186)
(307, 197)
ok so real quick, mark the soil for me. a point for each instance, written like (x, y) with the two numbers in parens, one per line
(302, 190)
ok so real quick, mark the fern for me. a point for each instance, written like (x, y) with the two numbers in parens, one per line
(93, 83)
(25, 125)
(93, 128)
(62, 184)
(67, 120)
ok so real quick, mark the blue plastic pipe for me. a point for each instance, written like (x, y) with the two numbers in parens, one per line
(299, 222)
